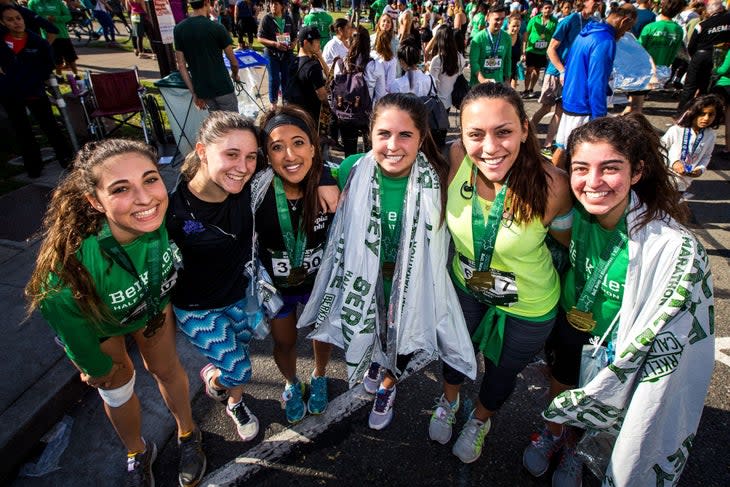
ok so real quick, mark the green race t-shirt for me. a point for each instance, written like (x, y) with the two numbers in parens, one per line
(493, 60)
(586, 231)
(539, 34)
(322, 21)
(55, 8)
(119, 291)
(392, 196)
(477, 23)
(662, 40)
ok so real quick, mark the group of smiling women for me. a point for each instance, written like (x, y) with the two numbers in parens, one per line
(424, 257)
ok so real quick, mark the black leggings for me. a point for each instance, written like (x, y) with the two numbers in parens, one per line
(522, 341)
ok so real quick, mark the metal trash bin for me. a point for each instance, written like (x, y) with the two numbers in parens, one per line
(184, 117)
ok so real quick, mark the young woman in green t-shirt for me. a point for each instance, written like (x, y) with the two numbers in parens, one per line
(105, 270)
(639, 290)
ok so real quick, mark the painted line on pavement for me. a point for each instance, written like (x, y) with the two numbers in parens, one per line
(275, 447)
(722, 344)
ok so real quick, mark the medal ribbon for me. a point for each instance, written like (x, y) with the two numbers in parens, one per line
(485, 235)
(588, 290)
(152, 288)
(686, 154)
(495, 45)
(391, 239)
(294, 244)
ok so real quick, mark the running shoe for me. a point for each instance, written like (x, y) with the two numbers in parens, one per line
(536, 457)
(207, 375)
(371, 381)
(246, 423)
(192, 459)
(139, 468)
(318, 399)
(468, 446)
(569, 472)
(442, 420)
(294, 404)
(382, 413)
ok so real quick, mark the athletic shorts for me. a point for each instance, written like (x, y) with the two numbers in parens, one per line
(552, 90)
(534, 60)
(568, 123)
(290, 304)
(63, 50)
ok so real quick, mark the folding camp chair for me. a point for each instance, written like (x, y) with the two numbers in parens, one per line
(118, 97)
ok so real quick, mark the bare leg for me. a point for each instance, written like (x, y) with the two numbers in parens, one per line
(322, 352)
(284, 333)
(553, 125)
(160, 358)
(559, 158)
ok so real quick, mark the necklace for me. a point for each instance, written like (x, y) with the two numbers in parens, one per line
(293, 204)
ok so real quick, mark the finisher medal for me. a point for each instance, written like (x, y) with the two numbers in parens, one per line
(581, 320)
(296, 276)
(481, 280)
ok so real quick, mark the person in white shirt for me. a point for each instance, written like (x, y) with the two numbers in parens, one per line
(413, 80)
(339, 45)
(384, 54)
(446, 65)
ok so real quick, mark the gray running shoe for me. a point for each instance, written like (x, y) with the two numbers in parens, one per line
(536, 457)
(570, 470)
(442, 420)
(468, 446)
(206, 375)
(382, 413)
(192, 459)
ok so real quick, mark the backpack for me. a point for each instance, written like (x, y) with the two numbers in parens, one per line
(349, 95)
(293, 93)
(438, 117)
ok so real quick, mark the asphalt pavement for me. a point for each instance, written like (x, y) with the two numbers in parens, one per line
(336, 448)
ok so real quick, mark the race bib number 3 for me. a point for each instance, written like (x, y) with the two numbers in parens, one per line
(281, 266)
(502, 293)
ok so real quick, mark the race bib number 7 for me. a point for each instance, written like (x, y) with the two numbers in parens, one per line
(502, 293)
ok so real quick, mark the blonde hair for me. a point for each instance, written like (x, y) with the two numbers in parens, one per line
(69, 220)
(383, 39)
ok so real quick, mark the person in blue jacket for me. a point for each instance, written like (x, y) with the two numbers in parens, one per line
(587, 70)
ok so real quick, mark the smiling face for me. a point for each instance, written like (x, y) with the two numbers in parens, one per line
(514, 26)
(228, 163)
(291, 153)
(132, 195)
(704, 119)
(385, 23)
(492, 134)
(395, 141)
(601, 180)
(495, 21)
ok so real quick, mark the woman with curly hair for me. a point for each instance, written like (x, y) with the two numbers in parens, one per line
(105, 270)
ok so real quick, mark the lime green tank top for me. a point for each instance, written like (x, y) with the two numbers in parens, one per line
(520, 249)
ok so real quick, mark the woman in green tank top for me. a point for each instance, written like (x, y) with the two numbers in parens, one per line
(639, 290)
(503, 200)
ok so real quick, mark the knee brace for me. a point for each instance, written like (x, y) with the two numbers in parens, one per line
(119, 396)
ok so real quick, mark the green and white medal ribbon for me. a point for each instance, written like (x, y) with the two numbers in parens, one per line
(580, 316)
(152, 287)
(295, 243)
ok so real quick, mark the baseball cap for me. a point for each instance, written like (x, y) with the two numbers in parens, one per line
(308, 33)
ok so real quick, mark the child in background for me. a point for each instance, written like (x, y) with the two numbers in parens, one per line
(689, 143)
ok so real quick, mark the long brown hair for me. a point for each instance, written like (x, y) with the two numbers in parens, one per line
(383, 40)
(528, 180)
(69, 220)
(418, 112)
(633, 137)
(311, 180)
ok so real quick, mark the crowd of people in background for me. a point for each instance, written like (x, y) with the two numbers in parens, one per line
(573, 243)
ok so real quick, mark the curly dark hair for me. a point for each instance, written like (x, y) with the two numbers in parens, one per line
(634, 137)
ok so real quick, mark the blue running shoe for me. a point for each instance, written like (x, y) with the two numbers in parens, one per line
(294, 403)
(318, 399)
